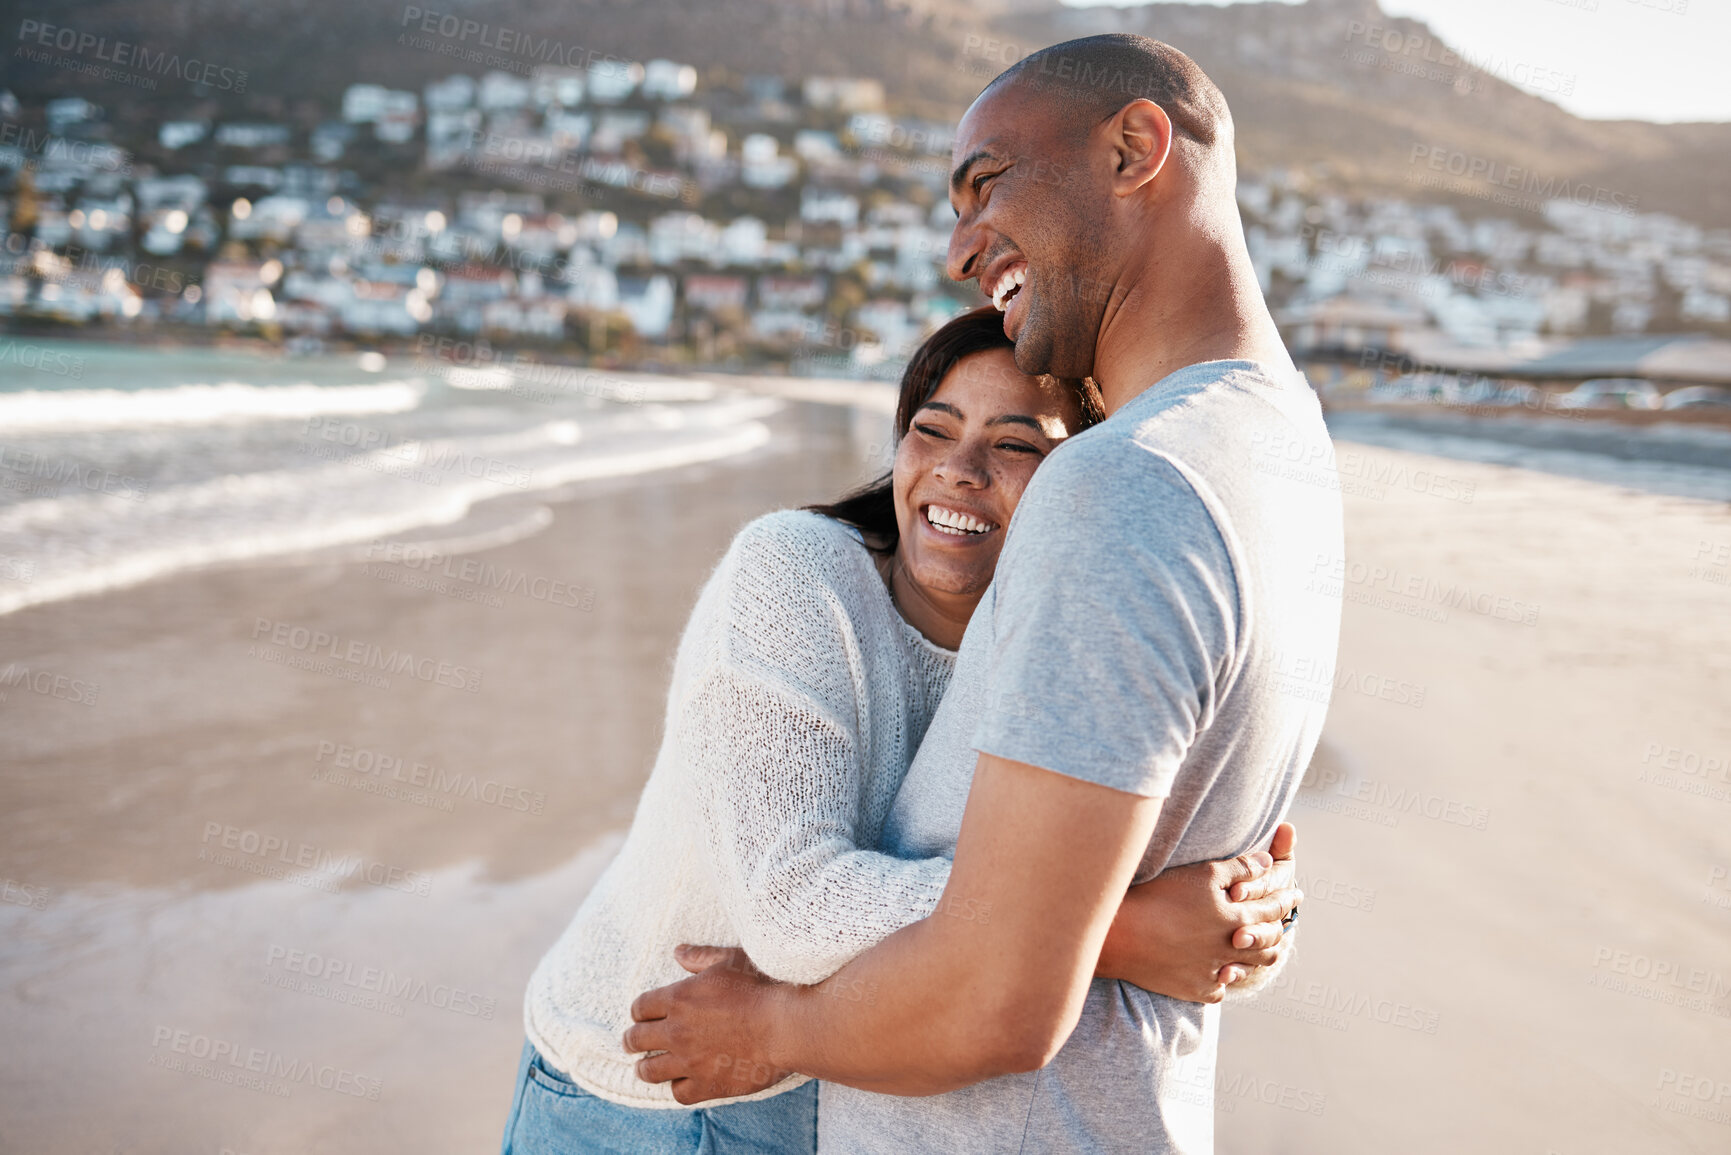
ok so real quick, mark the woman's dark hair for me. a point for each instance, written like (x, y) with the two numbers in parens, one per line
(872, 507)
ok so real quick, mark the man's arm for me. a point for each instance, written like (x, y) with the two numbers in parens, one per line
(1042, 863)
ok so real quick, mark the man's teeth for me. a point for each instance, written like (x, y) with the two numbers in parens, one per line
(1007, 287)
(959, 524)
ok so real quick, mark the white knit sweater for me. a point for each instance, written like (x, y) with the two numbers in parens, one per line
(799, 696)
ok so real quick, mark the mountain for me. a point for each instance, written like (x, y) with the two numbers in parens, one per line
(1310, 86)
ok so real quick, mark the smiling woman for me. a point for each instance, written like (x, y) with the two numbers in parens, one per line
(970, 430)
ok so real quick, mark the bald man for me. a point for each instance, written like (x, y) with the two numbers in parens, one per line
(1131, 694)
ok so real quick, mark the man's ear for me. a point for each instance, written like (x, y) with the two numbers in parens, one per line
(1141, 139)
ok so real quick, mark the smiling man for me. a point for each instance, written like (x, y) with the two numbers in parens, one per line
(1116, 706)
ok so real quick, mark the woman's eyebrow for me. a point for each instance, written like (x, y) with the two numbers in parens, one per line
(942, 407)
(1019, 419)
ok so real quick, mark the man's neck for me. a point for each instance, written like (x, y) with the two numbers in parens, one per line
(1206, 306)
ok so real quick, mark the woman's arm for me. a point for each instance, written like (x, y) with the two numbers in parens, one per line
(1209, 930)
(778, 783)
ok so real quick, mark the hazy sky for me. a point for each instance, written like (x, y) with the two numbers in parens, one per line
(1632, 59)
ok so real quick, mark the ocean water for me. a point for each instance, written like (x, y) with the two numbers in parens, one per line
(122, 464)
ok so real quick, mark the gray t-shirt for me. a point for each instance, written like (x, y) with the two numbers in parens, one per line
(1156, 627)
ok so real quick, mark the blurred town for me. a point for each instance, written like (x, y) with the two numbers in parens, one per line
(624, 214)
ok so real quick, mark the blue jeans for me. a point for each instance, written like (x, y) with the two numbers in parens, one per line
(550, 1115)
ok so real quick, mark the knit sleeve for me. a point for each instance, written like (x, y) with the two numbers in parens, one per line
(770, 730)
(778, 786)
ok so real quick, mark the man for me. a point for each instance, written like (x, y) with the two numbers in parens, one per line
(1118, 704)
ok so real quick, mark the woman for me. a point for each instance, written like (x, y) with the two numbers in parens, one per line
(806, 677)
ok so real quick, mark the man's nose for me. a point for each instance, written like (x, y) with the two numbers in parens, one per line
(967, 243)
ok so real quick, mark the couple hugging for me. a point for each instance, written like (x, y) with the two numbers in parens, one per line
(969, 801)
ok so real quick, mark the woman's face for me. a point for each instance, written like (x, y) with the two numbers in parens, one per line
(964, 463)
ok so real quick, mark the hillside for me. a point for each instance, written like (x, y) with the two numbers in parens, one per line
(1308, 87)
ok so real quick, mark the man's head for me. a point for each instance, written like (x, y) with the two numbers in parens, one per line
(1069, 170)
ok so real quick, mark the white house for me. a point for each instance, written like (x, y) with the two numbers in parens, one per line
(665, 80)
(238, 292)
(743, 242)
(647, 303)
(272, 217)
(452, 94)
(177, 134)
(251, 135)
(611, 81)
(762, 166)
(675, 237)
(819, 205)
(843, 93)
(592, 287)
(502, 92)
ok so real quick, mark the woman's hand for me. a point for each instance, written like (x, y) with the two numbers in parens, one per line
(1197, 930)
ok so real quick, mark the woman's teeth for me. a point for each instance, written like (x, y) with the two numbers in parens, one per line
(957, 524)
(1007, 288)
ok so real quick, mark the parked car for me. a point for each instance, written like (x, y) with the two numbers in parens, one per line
(1612, 393)
(1698, 397)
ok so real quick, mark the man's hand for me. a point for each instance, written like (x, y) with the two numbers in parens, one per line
(703, 1028)
(944, 1002)
(1196, 931)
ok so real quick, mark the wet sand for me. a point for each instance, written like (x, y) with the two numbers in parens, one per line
(168, 849)
(1504, 925)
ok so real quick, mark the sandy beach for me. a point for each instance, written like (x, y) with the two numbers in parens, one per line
(222, 839)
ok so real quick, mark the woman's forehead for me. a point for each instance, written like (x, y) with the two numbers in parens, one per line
(988, 386)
